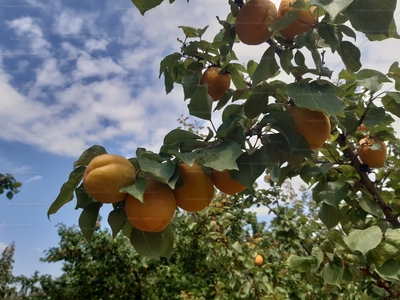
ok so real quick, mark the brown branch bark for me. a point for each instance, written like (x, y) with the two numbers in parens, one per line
(390, 217)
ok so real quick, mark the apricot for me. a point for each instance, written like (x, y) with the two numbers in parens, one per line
(217, 84)
(223, 181)
(197, 190)
(253, 20)
(158, 208)
(374, 158)
(105, 175)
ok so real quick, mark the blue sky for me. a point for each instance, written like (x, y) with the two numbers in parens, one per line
(78, 73)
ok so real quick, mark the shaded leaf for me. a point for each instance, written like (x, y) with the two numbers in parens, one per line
(299, 263)
(201, 103)
(334, 192)
(363, 16)
(333, 272)
(251, 166)
(67, 190)
(88, 155)
(329, 215)
(117, 219)
(153, 244)
(267, 67)
(88, 219)
(333, 8)
(315, 96)
(223, 156)
(350, 55)
(145, 5)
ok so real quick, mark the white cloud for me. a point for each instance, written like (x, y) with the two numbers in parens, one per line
(88, 67)
(3, 246)
(29, 33)
(68, 23)
(93, 44)
(34, 178)
(49, 74)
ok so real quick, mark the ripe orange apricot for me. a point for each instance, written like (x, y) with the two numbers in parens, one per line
(197, 190)
(374, 158)
(253, 20)
(304, 22)
(223, 181)
(158, 208)
(315, 126)
(258, 260)
(105, 175)
(217, 84)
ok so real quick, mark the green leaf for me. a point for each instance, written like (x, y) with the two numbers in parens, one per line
(257, 101)
(374, 117)
(299, 59)
(145, 5)
(169, 61)
(267, 67)
(88, 219)
(201, 103)
(392, 30)
(67, 190)
(153, 244)
(334, 192)
(371, 207)
(350, 55)
(251, 166)
(161, 170)
(315, 96)
(286, 60)
(364, 240)
(346, 30)
(9, 195)
(233, 109)
(333, 272)
(136, 189)
(389, 248)
(116, 220)
(228, 126)
(329, 215)
(252, 67)
(390, 271)
(330, 34)
(285, 20)
(191, 32)
(333, 8)
(168, 81)
(299, 263)
(179, 135)
(88, 155)
(238, 248)
(190, 83)
(371, 16)
(391, 101)
(82, 198)
(394, 73)
(223, 156)
(188, 157)
(237, 77)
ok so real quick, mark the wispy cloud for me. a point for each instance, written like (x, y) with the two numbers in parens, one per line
(34, 178)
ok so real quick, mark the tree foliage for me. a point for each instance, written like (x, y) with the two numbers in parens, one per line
(6, 278)
(357, 251)
(8, 182)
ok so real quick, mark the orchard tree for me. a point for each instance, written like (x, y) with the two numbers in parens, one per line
(7, 289)
(8, 182)
(214, 256)
(334, 134)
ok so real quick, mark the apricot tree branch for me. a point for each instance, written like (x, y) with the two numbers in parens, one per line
(371, 187)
